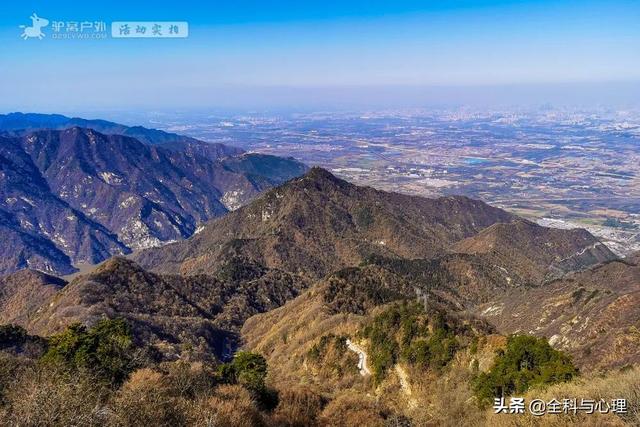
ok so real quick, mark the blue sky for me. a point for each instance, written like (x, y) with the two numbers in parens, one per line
(245, 52)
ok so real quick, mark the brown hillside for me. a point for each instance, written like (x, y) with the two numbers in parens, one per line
(318, 223)
(456, 280)
(594, 314)
(536, 253)
(199, 312)
(23, 293)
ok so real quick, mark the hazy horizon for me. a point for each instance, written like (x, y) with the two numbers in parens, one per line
(328, 55)
(586, 96)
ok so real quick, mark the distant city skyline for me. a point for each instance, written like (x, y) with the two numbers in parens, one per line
(326, 54)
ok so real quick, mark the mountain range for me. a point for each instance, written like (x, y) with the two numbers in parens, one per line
(364, 247)
(78, 196)
(318, 223)
(392, 303)
(20, 124)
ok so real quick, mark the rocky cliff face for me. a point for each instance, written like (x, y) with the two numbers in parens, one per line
(39, 229)
(145, 194)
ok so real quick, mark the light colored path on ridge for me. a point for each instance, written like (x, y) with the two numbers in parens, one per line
(362, 357)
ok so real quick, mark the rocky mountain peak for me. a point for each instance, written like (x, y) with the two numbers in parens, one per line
(319, 175)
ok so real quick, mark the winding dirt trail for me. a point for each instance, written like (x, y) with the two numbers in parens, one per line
(362, 357)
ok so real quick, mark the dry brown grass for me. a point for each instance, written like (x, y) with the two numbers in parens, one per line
(285, 335)
(298, 406)
(621, 384)
(50, 396)
(183, 394)
(188, 380)
(145, 399)
(449, 401)
(230, 406)
(352, 409)
(172, 395)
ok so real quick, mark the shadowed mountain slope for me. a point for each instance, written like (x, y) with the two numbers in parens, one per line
(39, 229)
(77, 195)
(173, 313)
(23, 293)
